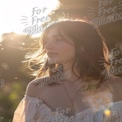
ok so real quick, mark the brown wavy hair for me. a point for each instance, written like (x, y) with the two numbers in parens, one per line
(89, 47)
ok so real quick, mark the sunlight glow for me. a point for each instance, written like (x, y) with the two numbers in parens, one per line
(107, 112)
(11, 13)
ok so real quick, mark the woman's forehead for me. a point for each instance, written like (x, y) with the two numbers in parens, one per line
(53, 32)
(56, 32)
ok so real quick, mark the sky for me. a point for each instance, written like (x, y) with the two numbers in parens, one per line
(16, 15)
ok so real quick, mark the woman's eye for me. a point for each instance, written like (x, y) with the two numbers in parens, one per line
(52, 40)
(58, 39)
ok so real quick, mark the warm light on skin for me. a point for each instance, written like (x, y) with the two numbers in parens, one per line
(11, 12)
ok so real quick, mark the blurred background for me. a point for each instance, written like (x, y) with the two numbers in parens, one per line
(21, 24)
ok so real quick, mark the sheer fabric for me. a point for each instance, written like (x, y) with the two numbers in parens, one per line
(32, 109)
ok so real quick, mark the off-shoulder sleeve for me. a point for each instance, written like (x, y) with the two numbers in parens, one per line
(27, 109)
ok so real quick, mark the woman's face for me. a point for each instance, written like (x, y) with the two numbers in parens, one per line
(59, 49)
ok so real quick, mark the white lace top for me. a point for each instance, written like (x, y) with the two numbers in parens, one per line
(32, 109)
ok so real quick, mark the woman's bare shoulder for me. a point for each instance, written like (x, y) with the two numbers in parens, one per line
(116, 83)
(34, 88)
(115, 80)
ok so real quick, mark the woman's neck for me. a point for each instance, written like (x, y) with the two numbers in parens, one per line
(67, 68)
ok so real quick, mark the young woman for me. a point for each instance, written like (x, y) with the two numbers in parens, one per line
(70, 85)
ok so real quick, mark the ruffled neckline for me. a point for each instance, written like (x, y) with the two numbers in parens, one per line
(89, 110)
